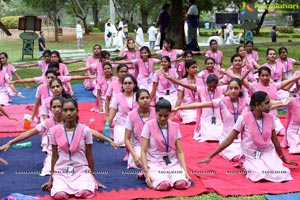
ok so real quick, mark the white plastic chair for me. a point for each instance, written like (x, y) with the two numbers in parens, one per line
(237, 38)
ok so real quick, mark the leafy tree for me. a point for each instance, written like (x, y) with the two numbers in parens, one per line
(125, 8)
(80, 8)
(51, 8)
(96, 7)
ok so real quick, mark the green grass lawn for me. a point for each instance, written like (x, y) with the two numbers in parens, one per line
(13, 48)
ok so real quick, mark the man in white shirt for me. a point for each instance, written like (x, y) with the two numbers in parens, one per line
(152, 31)
(79, 35)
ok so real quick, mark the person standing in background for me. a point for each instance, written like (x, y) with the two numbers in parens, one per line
(139, 38)
(163, 22)
(42, 44)
(192, 21)
(273, 34)
(152, 38)
(79, 35)
(125, 29)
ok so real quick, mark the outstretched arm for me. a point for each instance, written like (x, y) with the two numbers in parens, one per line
(195, 105)
(222, 146)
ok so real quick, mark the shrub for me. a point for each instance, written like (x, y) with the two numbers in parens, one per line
(285, 29)
(10, 22)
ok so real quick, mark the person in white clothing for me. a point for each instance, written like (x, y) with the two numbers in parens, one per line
(118, 41)
(108, 34)
(79, 35)
(152, 31)
(139, 39)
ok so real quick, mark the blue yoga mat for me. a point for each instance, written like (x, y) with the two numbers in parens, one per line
(80, 93)
(21, 175)
(291, 196)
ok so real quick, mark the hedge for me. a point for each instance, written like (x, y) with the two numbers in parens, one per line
(10, 22)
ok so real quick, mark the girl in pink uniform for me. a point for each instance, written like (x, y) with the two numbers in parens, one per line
(130, 54)
(43, 64)
(72, 166)
(271, 88)
(188, 55)
(134, 126)
(292, 135)
(168, 50)
(42, 129)
(162, 156)
(144, 68)
(56, 88)
(250, 52)
(162, 87)
(214, 53)
(10, 70)
(287, 62)
(231, 108)
(206, 91)
(115, 87)
(237, 69)
(262, 156)
(209, 69)
(102, 86)
(91, 67)
(187, 96)
(5, 98)
(121, 105)
(63, 70)
(277, 68)
(247, 60)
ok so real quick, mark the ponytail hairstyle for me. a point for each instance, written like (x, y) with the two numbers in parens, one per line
(168, 59)
(147, 49)
(239, 82)
(212, 78)
(281, 49)
(56, 98)
(52, 65)
(74, 102)
(170, 42)
(139, 92)
(58, 55)
(257, 98)
(64, 94)
(187, 65)
(6, 56)
(264, 68)
(52, 71)
(270, 49)
(163, 104)
(235, 56)
(47, 52)
(136, 87)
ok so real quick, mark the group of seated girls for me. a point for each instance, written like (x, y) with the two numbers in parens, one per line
(138, 104)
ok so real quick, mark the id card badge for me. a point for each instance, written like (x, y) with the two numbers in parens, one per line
(213, 120)
(257, 155)
(149, 80)
(298, 132)
(70, 170)
(168, 92)
(166, 159)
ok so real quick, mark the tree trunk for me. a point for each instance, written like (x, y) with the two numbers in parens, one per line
(262, 19)
(145, 14)
(260, 23)
(52, 16)
(86, 30)
(95, 14)
(175, 29)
